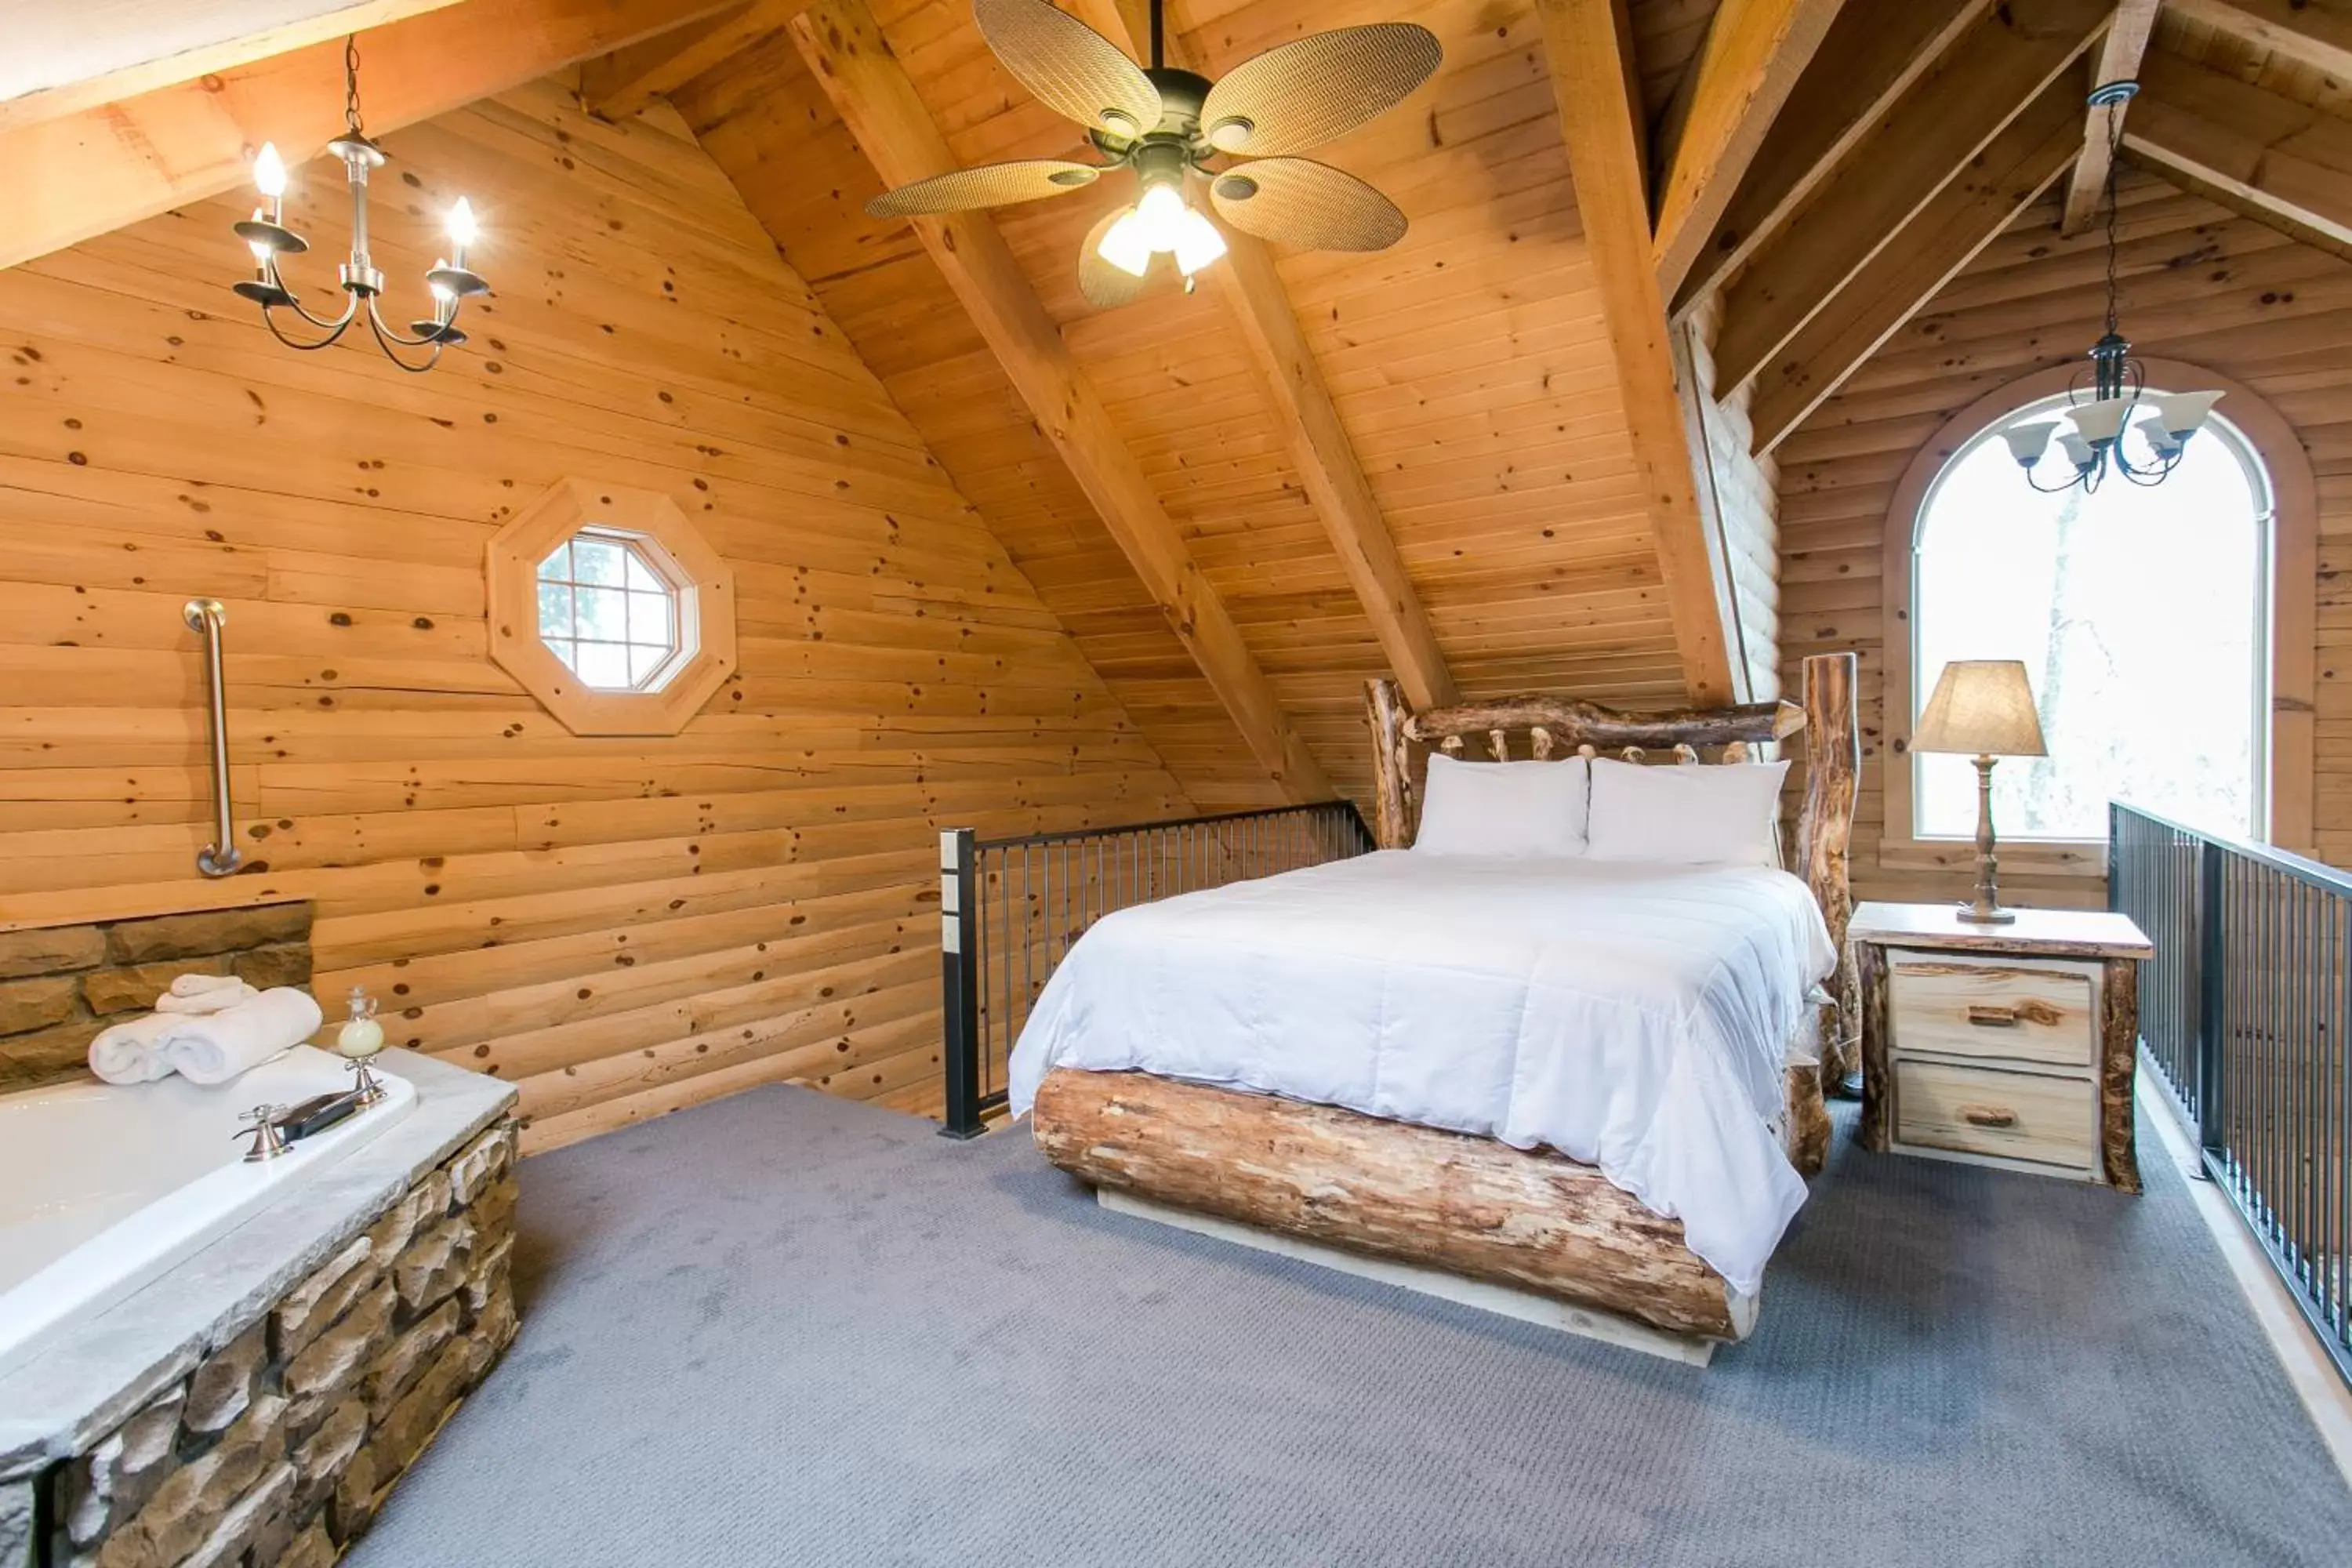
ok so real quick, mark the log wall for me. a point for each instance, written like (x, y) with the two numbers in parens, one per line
(2199, 284)
(623, 926)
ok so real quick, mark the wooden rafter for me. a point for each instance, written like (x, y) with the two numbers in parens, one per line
(178, 43)
(1754, 54)
(628, 80)
(1286, 372)
(2315, 33)
(2272, 156)
(848, 53)
(65, 180)
(1589, 50)
(1964, 217)
(1984, 81)
(2118, 61)
(1872, 58)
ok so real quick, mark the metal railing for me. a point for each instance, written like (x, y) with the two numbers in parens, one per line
(2246, 1011)
(1010, 908)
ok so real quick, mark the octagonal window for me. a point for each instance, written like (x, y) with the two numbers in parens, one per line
(610, 603)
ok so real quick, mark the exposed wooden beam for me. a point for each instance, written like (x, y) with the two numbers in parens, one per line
(1984, 81)
(846, 52)
(627, 80)
(1873, 56)
(1944, 236)
(2270, 153)
(1589, 48)
(2118, 61)
(1292, 381)
(67, 179)
(67, 63)
(1754, 54)
(2315, 33)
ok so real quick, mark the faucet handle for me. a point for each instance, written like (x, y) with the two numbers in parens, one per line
(269, 1137)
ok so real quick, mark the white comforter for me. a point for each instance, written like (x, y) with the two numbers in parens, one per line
(1632, 1017)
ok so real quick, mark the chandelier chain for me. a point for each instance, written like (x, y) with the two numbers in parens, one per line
(2114, 145)
(351, 84)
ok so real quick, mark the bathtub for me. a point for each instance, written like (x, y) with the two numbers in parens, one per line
(104, 1188)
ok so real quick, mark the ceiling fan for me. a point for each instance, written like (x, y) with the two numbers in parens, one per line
(1168, 124)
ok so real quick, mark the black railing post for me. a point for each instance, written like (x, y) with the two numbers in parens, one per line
(2212, 1013)
(960, 982)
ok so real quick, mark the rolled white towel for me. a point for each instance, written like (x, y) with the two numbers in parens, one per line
(204, 994)
(127, 1053)
(214, 1047)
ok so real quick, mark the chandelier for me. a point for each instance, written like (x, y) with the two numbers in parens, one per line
(267, 237)
(2117, 389)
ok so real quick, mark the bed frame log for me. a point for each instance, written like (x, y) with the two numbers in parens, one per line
(1536, 1221)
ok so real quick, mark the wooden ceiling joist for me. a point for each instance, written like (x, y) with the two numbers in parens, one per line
(848, 53)
(1871, 58)
(1286, 369)
(2002, 65)
(1587, 47)
(68, 179)
(1965, 215)
(2315, 33)
(2272, 157)
(1754, 54)
(2118, 61)
(83, 66)
(627, 80)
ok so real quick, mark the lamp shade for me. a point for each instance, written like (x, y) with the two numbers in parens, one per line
(1982, 707)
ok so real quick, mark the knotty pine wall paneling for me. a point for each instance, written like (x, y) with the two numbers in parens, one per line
(622, 926)
(2199, 284)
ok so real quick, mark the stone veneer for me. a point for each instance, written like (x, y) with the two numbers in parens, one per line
(60, 985)
(276, 1450)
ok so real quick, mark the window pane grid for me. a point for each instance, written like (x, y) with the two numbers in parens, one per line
(605, 613)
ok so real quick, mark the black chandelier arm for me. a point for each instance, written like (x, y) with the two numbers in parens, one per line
(432, 340)
(392, 342)
(334, 329)
(294, 303)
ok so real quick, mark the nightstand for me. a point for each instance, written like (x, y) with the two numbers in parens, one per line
(2008, 1044)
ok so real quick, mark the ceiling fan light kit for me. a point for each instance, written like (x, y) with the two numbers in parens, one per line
(1167, 125)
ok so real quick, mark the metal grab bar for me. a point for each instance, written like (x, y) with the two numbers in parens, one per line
(220, 857)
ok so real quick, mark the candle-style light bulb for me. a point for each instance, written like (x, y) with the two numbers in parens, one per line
(269, 171)
(463, 229)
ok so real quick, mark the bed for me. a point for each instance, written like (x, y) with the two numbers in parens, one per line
(1592, 1085)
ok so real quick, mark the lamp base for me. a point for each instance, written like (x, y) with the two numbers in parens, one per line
(1993, 916)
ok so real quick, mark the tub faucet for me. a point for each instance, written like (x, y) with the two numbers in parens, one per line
(268, 1138)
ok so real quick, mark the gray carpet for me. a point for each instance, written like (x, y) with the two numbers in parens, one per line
(785, 1329)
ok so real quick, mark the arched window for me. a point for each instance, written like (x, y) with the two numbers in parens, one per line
(2168, 631)
(2142, 615)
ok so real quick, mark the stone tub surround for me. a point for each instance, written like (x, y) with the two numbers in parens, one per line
(251, 1405)
(59, 985)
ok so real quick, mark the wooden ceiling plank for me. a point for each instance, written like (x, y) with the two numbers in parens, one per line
(1754, 54)
(846, 50)
(1984, 81)
(1871, 58)
(1967, 216)
(1586, 45)
(1285, 367)
(136, 68)
(70, 179)
(627, 81)
(2266, 151)
(2315, 33)
(2119, 60)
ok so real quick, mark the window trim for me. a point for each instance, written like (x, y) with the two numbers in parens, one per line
(2294, 615)
(704, 608)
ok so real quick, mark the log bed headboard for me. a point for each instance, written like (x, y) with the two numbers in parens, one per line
(1564, 727)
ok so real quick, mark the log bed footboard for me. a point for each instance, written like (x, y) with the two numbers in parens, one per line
(1471, 1207)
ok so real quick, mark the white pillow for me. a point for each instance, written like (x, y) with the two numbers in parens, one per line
(1682, 814)
(1502, 808)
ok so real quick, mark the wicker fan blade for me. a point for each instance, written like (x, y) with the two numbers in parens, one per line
(1073, 70)
(1300, 202)
(989, 185)
(1304, 94)
(1106, 287)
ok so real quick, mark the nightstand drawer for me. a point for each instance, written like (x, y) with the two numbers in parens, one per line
(2005, 1012)
(1984, 1111)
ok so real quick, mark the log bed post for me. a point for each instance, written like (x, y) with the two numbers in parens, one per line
(1832, 768)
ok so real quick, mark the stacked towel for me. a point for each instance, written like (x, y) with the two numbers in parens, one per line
(218, 1030)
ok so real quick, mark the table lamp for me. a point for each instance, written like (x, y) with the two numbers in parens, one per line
(1984, 709)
